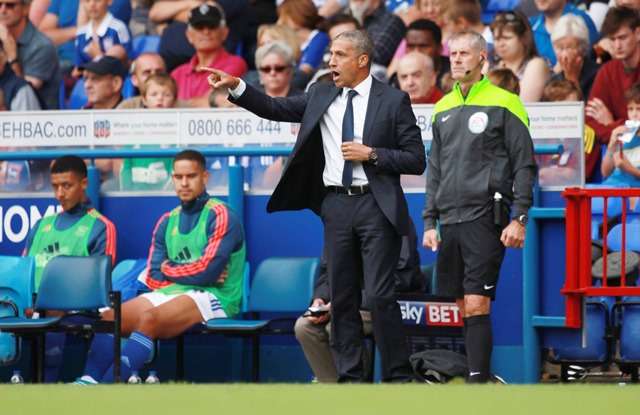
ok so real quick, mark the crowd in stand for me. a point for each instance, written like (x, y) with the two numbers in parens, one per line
(589, 48)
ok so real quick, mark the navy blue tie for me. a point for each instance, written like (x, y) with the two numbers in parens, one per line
(347, 136)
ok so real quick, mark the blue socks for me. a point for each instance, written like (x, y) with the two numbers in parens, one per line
(100, 355)
(134, 355)
(53, 353)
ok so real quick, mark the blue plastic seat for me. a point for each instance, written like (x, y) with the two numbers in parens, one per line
(128, 90)
(73, 285)
(630, 330)
(632, 242)
(125, 278)
(16, 292)
(567, 345)
(78, 97)
(144, 43)
(280, 285)
(614, 208)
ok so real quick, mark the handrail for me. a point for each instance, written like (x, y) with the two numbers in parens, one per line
(101, 153)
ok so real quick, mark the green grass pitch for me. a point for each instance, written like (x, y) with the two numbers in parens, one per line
(281, 399)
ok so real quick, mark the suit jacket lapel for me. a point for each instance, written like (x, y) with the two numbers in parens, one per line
(327, 97)
(372, 109)
(318, 108)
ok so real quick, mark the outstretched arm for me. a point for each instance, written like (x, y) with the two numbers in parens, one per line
(289, 109)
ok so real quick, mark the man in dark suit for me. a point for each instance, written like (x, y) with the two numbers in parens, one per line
(356, 138)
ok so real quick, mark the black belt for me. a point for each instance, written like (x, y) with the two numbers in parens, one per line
(352, 190)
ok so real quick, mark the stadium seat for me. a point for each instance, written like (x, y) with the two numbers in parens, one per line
(16, 292)
(78, 97)
(280, 285)
(614, 209)
(597, 333)
(128, 90)
(614, 237)
(144, 43)
(78, 286)
(125, 277)
(629, 326)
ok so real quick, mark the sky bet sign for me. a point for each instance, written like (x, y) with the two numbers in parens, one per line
(416, 313)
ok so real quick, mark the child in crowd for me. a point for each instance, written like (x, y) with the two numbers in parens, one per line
(102, 35)
(562, 169)
(505, 79)
(158, 91)
(621, 164)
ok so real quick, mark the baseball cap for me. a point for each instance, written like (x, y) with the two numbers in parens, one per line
(106, 65)
(206, 15)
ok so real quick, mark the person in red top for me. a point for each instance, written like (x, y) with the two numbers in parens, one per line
(207, 32)
(606, 108)
(417, 77)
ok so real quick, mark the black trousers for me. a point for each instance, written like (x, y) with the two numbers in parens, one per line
(362, 249)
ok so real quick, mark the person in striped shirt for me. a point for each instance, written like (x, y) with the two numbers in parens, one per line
(79, 230)
(195, 270)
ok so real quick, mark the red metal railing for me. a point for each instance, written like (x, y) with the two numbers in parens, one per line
(578, 279)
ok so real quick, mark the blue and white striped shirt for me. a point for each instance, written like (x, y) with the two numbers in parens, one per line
(110, 32)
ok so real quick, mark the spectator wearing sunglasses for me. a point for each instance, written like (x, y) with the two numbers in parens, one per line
(207, 32)
(275, 62)
(516, 50)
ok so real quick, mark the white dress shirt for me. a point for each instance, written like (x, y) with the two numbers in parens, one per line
(331, 130)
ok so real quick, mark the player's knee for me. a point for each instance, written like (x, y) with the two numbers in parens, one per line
(476, 306)
(107, 315)
(149, 324)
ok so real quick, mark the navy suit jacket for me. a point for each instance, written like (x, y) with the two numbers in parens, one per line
(390, 127)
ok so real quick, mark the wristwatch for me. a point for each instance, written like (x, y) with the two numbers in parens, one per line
(523, 219)
(373, 157)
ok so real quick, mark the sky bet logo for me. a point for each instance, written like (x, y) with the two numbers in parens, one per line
(412, 312)
(430, 314)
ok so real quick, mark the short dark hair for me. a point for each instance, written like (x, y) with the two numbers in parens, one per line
(633, 94)
(426, 25)
(66, 164)
(191, 155)
(616, 18)
(338, 19)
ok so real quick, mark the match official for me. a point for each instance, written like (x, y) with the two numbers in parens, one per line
(481, 172)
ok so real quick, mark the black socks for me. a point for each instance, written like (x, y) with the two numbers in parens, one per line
(478, 342)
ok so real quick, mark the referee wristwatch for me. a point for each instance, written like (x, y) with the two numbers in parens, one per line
(523, 219)
(373, 157)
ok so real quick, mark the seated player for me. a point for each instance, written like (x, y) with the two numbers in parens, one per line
(196, 266)
(79, 230)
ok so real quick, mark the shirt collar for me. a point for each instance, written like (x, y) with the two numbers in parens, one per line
(195, 64)
(102, 28)
(473, 90)
(196, 204)
(363, 88)
(27, 34)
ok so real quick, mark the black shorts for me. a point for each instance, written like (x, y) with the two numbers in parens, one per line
(469, 258)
